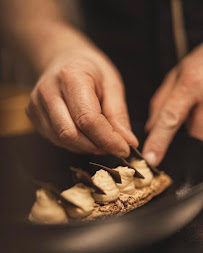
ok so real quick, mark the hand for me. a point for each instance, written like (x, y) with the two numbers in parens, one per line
(79, 104)
(179, 99)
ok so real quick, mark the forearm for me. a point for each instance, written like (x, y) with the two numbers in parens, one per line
(38, 30)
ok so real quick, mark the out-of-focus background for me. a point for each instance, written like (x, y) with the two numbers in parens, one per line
(17, 79)
(151, 32)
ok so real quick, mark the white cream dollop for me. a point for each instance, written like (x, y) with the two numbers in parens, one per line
(47, 210)
(104, 181)
(127, 177)
(142, 167)
(79, 195)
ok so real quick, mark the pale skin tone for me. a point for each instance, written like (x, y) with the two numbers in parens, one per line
(79, 101)
(178, 100)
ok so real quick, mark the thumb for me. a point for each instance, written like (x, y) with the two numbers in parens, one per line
(114, 108)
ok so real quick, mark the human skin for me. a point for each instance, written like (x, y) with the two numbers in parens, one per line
(178, 100)
(79, 101)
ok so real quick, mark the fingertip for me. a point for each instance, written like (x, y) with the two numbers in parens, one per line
(151, 158)
(153, 153)
(134, 144)
(128, 136)
(132, 140)
(138, 143)
(123, 153)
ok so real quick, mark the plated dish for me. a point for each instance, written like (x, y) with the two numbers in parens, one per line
(109, 192)
(33, 157)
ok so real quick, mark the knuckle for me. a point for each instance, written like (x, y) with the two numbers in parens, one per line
(66, 71)
(85, 121)
(31, 108)
(46, 96)
(169, 118)
(190, 83)
(67, 135)
(190, 79)
(42, 89)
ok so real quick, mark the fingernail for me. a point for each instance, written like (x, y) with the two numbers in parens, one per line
(151, 157)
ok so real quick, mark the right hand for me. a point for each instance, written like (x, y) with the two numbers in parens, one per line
(79, 104)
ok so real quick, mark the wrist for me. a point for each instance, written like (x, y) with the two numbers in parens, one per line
(42, 43)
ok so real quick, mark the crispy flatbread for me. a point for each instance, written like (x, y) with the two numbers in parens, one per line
(126, 203)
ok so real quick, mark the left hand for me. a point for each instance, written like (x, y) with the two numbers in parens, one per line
(179, 99)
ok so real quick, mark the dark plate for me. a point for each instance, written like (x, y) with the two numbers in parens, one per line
(26, 157)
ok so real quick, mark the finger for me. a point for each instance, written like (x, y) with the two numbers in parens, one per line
(160, 98)
(84, 107)
(169, 120)
(69, 136)
(40, 119)
(115, 109)
(195, 122)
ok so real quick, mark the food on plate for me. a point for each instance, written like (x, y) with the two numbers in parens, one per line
(79, 195)
(47, 210)
(103, 180)
(110, 194)
(127, 180)
(141, 166)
